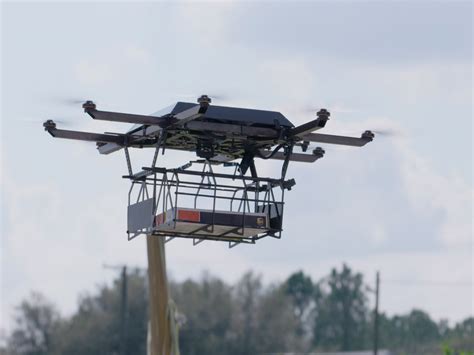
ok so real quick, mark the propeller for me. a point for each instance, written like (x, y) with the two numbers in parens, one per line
(312, 109)
(71, 101)
(220, 96)
(68, 122)
(62, 120)
(379, 131)
(212, 95)
(387, 132)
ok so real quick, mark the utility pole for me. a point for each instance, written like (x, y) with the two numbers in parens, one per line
(123, 307)
(124, 313)
(376, 314)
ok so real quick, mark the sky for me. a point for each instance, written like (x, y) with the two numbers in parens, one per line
(401, 205)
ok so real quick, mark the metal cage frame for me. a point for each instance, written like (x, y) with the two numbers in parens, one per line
(159, 190)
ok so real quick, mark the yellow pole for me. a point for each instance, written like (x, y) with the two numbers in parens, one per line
(160, 332)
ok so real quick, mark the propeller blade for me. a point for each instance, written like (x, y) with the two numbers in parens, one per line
(220, 97)
(387, 132)
(312, 109)
(212, 95)
(70, 101)
(62, 122)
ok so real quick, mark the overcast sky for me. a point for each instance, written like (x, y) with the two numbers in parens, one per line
(401, 205)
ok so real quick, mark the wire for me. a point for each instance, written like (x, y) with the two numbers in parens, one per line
(271, 154)
(428, 282)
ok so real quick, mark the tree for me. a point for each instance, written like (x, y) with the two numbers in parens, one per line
(276, 324)
(36, 323)
(95, 327)
(413, 330)
(464, 329)
(341, 312)
(206, 310)
(461, 336)
(244, 318)
(246, 294)
(413, 333)
(300, 289)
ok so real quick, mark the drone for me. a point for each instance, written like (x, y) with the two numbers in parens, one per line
(218, 134)
(168, 201)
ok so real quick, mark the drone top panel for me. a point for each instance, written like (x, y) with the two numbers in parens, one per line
(233, 114)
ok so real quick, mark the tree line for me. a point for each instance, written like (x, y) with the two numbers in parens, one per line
(215, 317)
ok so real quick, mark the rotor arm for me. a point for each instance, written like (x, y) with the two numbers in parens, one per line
(318, 153)
(365, 138)
(192, 113)
(178, 119)
(308, 127)
(90, 109)
(50, 127)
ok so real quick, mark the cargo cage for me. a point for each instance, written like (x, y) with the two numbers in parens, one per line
(204, 205)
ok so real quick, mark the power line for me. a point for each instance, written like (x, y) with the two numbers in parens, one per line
(429, 282)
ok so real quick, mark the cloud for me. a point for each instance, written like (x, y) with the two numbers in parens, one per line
(138, 55)
(430, 191)
(366, 32)
(378, 234)
(54, 243)
(93, 72)
(208, 23)
(113, 65)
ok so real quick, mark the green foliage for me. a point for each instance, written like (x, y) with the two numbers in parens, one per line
(243, 319)
(205, 308)
(460, 338)
(246, 318)
(263, 318)
(410, 332)
(276, 323)
(447, 350)
(341, 311)
(300, 289)
(95, 327)
(36, 327)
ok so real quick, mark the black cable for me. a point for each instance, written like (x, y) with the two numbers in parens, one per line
(260, 155)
